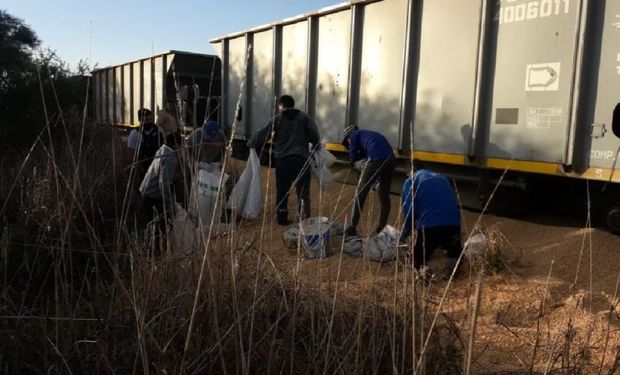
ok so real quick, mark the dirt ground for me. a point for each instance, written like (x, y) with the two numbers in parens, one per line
(554, 306)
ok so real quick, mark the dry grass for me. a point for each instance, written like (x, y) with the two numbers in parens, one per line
(82, 294)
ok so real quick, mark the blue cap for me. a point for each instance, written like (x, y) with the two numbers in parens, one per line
(209, 130)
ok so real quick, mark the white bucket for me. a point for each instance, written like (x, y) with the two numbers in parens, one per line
(315, 234)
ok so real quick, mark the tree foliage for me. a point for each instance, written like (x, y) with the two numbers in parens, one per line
(36, 86)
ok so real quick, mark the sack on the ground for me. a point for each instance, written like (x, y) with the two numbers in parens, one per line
(474, 247)
(320, 161)
(206, 190)
(291, 237)
(383, 247)
(245, 198)
(354, 246)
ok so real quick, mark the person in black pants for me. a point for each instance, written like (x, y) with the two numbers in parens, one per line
(158, 197)
(366, 144)
(293, 132)
(430, 206)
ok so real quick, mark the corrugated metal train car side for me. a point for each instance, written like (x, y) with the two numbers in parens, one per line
(119, 91)
(528, 86)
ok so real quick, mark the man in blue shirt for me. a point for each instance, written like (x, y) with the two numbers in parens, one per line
(366, 144)
(207, 143)
(430, 206)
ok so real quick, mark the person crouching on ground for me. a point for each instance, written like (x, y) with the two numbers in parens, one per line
(380, 166)
(430, 207)
(158, 198)
(293, 131)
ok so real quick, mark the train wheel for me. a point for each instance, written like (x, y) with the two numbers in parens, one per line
(613, 219)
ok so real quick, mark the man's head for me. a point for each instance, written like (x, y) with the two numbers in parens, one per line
(210, 130)
(145, 116)
(286, 102)
(174, 140)
(347, 134)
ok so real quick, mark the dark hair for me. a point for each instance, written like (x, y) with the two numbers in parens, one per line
(286, 101)
(174, 139)
(142, 113)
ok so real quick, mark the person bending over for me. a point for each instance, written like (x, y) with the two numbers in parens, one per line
(366, 144)
(430, 207)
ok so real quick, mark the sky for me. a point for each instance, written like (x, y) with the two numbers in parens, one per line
(109, 32)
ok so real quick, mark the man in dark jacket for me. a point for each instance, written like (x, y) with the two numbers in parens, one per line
(366, 144)
(293, 131)
(430, 206)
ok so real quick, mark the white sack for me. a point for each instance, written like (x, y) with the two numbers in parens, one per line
(246, 196)
(474, 247)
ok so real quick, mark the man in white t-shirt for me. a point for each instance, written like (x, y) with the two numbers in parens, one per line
(143, 142)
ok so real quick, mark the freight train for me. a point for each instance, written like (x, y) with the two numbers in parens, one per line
(519, 93)
(184, 83)
(476, 88)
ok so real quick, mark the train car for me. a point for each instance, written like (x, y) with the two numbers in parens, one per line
(183, 82)
(474, 88)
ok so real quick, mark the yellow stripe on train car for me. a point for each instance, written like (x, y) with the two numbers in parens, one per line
(555, 169)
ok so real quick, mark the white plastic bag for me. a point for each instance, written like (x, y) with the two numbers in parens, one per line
(320, 161)
(474, 247)
(384, 246)
(246, 196)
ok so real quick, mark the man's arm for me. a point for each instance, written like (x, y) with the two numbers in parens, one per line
(313, 133)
